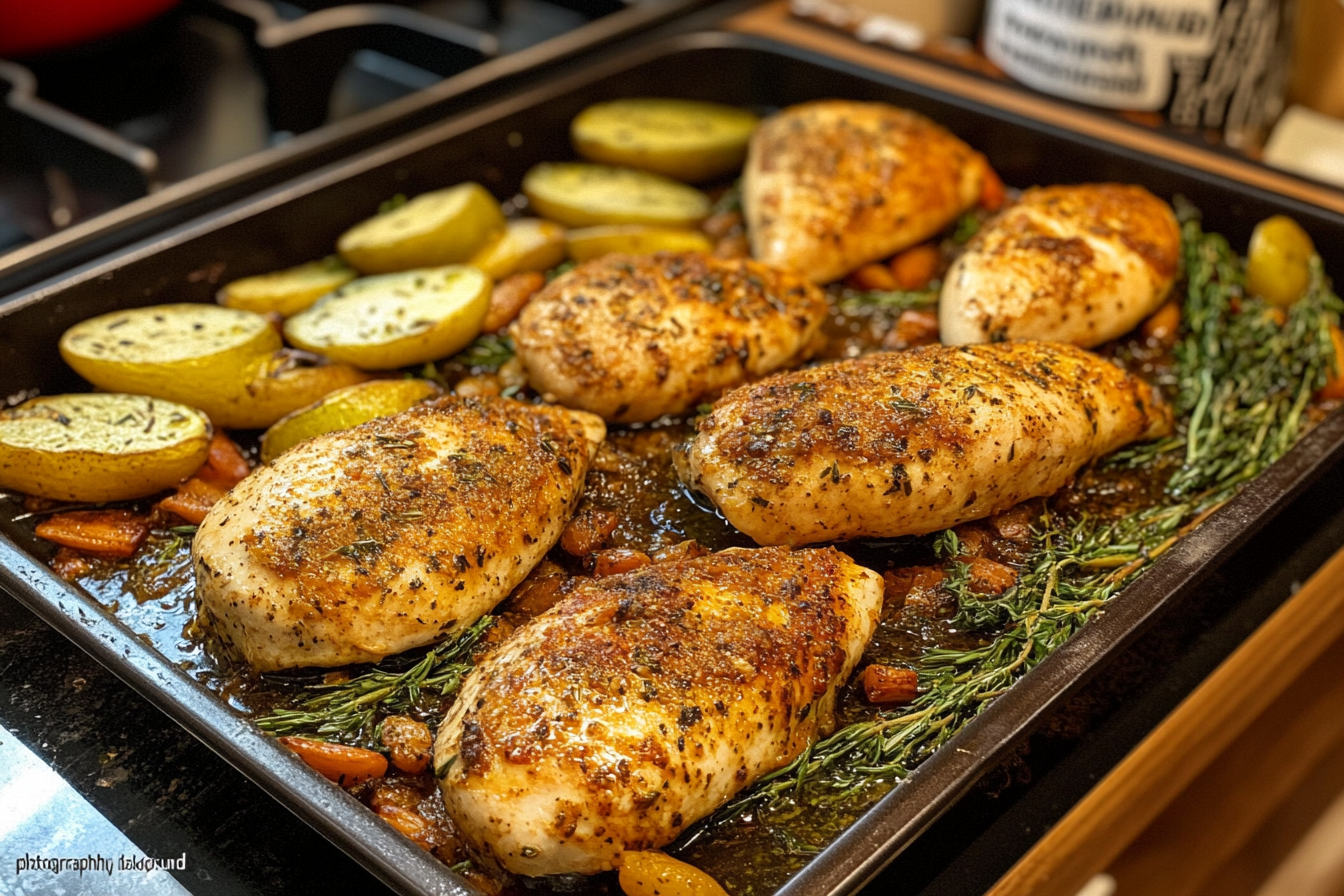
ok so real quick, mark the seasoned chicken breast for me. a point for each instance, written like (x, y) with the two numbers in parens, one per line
(832, 185)
(642, 702)
(395, 534)
(632, 338)
(911, 442)
(1081, 264)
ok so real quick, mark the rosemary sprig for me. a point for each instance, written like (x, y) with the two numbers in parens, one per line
(348, 712)
(855, 301)
(488, 353)
(1244, 377)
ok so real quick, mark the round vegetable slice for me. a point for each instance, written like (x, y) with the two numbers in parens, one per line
(652, 873)
(100, 446)
(528, 244)
(276, 385)
(634, 239)
(396, 319)
(685, 139)
(289, 291)
(1278, 263)
(178, 352)
(579, 194)
(438, 228)
(343, 409)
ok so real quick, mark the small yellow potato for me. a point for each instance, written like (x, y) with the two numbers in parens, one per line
(274, 386)
(579, 194)
(290, 291)
(652, 873)
(685, 139)
(443, 227)
(1278, 263)
(634, 239)
(100, 446)
(343, 409)
(177, 352)
(393, 320)
(527, 244)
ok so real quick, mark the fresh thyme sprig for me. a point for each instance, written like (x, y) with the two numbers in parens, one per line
(855, 301)
(1245, 376)
(348, 712)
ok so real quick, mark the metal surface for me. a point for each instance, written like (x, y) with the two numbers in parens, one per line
(496, 146)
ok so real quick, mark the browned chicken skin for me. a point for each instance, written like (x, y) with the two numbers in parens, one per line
(641, 702)
(1081, 264)
(632, 338)
(360, 544)
(907, 443)
(831, 185)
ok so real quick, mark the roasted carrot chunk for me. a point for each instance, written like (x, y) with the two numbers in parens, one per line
(993, 194)
(588, 531)
(917, 266)
(888, 684)
(410, 823)
(914, 327)
(873, 276)
(508, 298)
(988, 577)
(118, 533)
(618, 560)
(226, 466)
(1334, 383)
(409, 743)
(1164, 324)
(337, 762)
(193, 500)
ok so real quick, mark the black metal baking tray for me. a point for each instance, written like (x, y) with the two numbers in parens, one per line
(495, 146)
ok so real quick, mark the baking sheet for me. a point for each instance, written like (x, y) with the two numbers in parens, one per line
(495, 146)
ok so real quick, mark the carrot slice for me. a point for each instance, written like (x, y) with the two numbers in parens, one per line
(116, 532)
(1334, 383)
(887, 684)
(193, 500)
(226, 466)
(409, 742)
(337, 762)
(916, 266)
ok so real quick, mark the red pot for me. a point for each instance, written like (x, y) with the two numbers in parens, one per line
(33, 26)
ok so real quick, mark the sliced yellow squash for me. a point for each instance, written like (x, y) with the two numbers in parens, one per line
(277, 385)
(393, 320)
(633, 239)
(579, 194)
(289, 291)
(100, 446)
(527, 244)
(685, 139)
(438, 228)
(343, 409)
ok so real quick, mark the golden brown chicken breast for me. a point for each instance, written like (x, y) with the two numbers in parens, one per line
(1081, 264)
(359, 544)
(832, 185)
(632, 338)
(642, 702)
(907, 443)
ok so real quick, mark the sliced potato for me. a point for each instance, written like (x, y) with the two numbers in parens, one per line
(685, 139)
(343, 409)
(100, 446)
(438, 228)
(396, 319)
(579, 194)
(634, 239)
(528, 244)
(1278, 263)
(289, 291)
(177, 352)
(274, 386)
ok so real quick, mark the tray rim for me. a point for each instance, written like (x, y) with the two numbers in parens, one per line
(888, 827)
